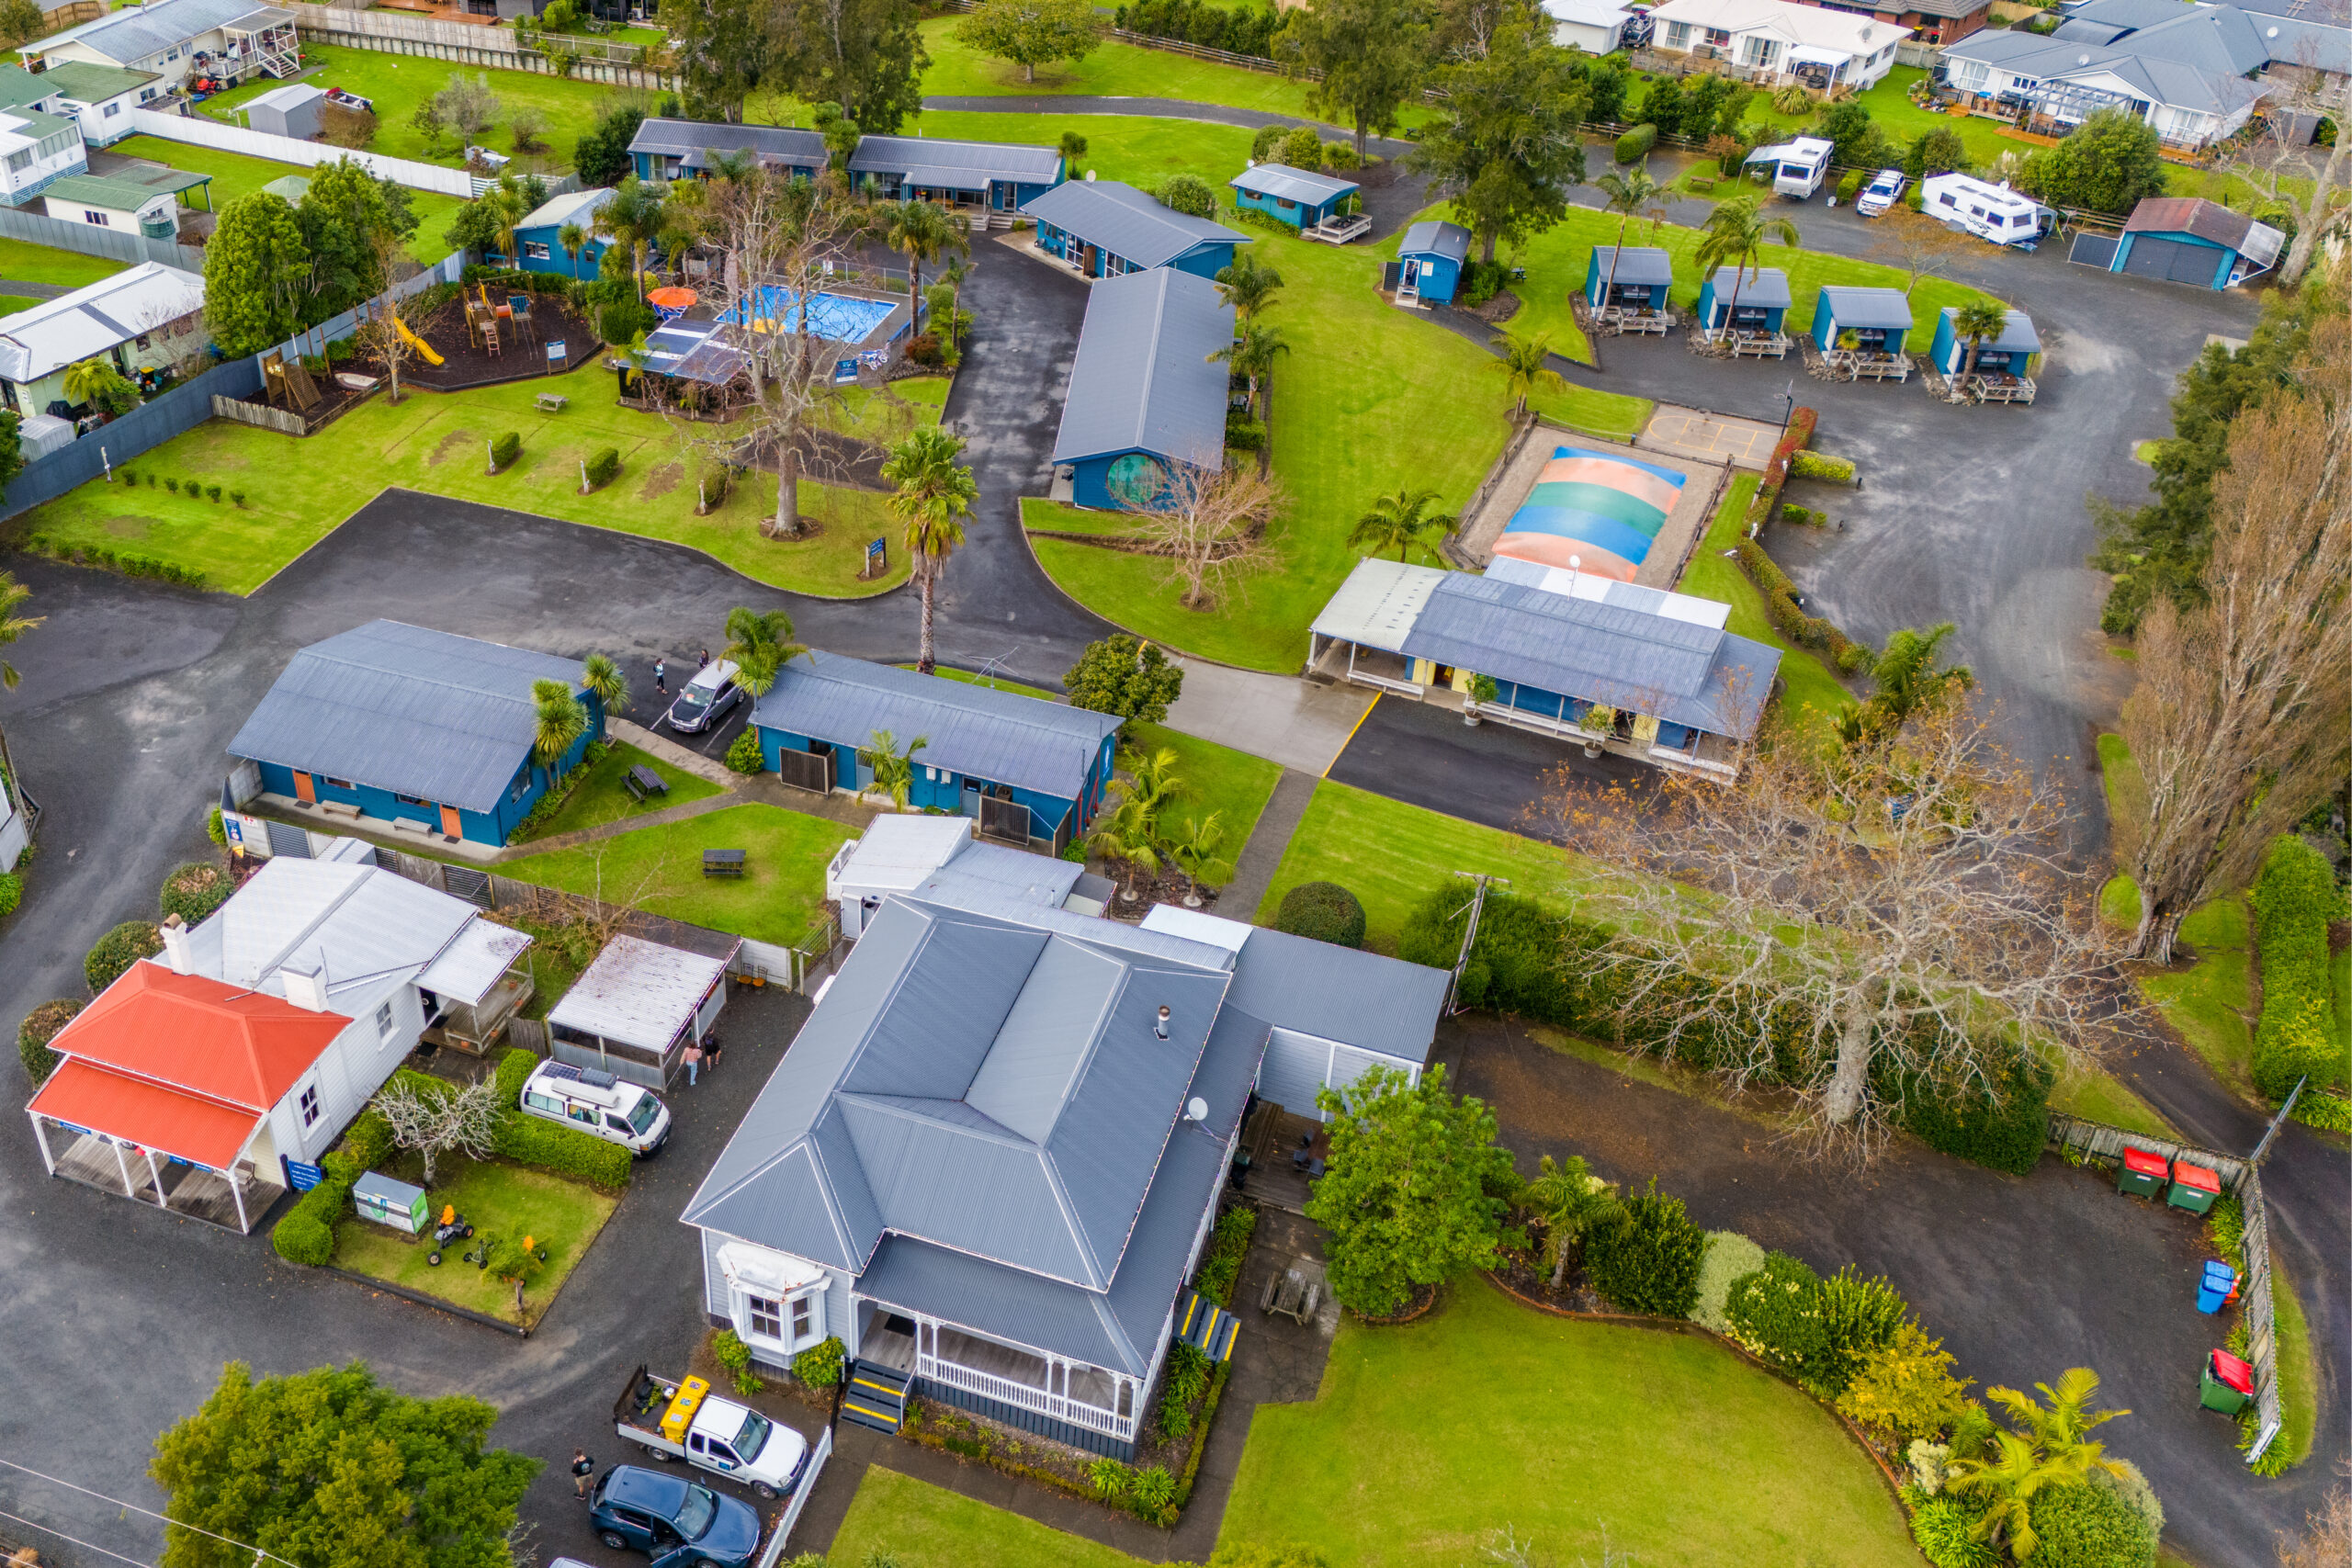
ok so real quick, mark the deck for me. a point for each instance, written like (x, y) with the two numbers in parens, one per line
(188, 1189)
(1271, 1141)
(1338, 230)
(1747, 345)
(1625, 319)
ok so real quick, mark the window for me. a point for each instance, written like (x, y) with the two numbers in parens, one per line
(804, 1318)
(1718, 37)
(534, 250)
(384, 1019)
(546, 1102)
(522, 784)
(19, 162)
(309, 1106)
(586, 1115)
(109, 111)
(766, 1316)
(97, 218)
(338, 784)
(411, 799)
(1677, 35)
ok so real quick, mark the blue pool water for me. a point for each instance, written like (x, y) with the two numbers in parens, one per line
(834, 317)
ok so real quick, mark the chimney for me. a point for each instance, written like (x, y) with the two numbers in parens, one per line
(176, 952)
(306, 983)
(1160, 1026)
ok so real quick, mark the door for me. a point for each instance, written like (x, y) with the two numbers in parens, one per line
(2174, 261)
(304, 790)
(450, 826)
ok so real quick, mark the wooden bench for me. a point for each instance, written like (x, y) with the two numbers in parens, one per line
(410, 825)
(642, 781)
(553, 403)
(723, 862)
(340, 808)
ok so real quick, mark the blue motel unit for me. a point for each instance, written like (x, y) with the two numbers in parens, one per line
(540, 237)
(1880, 319)
(997, 176)
(980, 744)
(412, 726)
(1145, 398)
(1429, 260)
(1300, 197)
(1642, 279)
(1104, 229)
(2011, 354)
(685, 149)
(1750, 299)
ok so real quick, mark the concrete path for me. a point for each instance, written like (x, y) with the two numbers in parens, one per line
(25, 289)
(615, 828)
(1253, 869)
(1277, 716)
(670, 752)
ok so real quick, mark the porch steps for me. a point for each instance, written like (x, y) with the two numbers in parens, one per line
(876, 1396)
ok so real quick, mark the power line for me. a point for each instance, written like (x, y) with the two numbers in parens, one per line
(160, 1518)
(45, 1529)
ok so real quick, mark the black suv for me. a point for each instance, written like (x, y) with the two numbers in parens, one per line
(672, 1520)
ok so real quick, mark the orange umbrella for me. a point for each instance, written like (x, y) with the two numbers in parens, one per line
(674, 298)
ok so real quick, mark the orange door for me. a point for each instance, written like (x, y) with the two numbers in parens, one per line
(450, 824)
(304, 790)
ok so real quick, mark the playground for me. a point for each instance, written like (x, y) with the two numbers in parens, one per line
(487, 336)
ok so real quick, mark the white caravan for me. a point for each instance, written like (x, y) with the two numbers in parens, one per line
(1988, 211)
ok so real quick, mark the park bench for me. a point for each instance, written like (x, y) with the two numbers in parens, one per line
(723, 862)
(340, 808)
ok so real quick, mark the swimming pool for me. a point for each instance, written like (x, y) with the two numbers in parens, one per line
(838, 318)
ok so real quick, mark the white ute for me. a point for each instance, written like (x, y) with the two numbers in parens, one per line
(682, 1421)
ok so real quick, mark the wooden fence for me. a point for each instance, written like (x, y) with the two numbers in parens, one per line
(2097, 1140)
(496, 48)
(268, 418)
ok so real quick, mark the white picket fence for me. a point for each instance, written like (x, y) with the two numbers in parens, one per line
(198, 131)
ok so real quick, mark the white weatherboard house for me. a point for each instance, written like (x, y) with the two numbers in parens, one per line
(1775, 41)
(224, 40)
(990, 1159)
(151, 315)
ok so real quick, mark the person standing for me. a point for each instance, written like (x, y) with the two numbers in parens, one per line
(583, 1467)
(662, 677)
(693, 1062)
(702, 659)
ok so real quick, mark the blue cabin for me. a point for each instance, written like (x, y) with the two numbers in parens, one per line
(2011, 354)
(399, 728)
(995, 175)
(1642, 280)
(2186, 239)
(541, 236)
(1880, 319)
(1428, 261)
(1300, 197)
(1031, 772)
(1104, 229)
(1144, 395)
(1752, 300)
(685, 149)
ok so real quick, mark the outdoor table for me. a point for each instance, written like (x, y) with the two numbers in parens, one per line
(723, 862)
(649, 781)
(553, 403)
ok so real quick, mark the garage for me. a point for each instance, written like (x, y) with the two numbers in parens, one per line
(2174, 261)
(2186, 239)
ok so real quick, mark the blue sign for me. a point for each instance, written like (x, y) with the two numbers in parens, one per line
(304, 1177)
(878, 554)
(556, 349)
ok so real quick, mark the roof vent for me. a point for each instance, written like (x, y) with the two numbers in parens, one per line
(1160, 1025)
(2272, 32)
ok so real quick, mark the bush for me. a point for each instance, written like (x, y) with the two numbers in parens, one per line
(603, 469)
(1820, 466)
(301, 1238)
(1649, 1261)
(744, 756)
(1302, 149)
(116, 952)
(1480, 281)
(195, 890)
(2294, 899)
(622, 320)
(923, 348)
(1242, 434)
(820, 1366)
(1905, 1389)
(1153, 1491)
(2007, 1133)
(214, 828)
(1228, 1245)
(171, 484)
(1187, 194)
(1775, 1315)
(12, 893)
(1323, 910)
(1790, 619)
(40, 1027)
(530, 1140)
(1849, 186)
(504, 450)
(1859, 1316)
(2325, 1110)
(1635, 145)
(1730, 1256)
(1914, 198)
(1945, 1530)
(1243, 29)
(212, 493)
(2090, 1527)
(1799, 515)
(236, 498)
(1261, 145)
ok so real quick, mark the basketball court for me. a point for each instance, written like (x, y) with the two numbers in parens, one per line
(1710, 438)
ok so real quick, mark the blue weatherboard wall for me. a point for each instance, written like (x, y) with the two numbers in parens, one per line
(1552, 705)
(557, 261)
(1826, 329)
(1298, 214)
(1711, 308)
(1440, 275)
(1950, 351)
(2224, 258)
(942, 789)
(1596, 278)
(1204, 259)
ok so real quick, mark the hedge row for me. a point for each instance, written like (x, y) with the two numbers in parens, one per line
(1780, 608)
(531, 1140)
(1539, 964)
(127, 564)
(306, 1236)
(2295, 898)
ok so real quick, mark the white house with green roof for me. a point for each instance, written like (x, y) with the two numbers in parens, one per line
(142, 199)
(99, 96)
(37, 146)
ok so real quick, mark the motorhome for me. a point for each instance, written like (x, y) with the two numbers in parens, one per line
(598, 1104)
(1988, 211)
(1798, 167)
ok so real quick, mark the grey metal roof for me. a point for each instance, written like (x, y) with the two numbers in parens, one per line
(1143, 379)
(1640, 264)
(1877, 308)
(134, 34)
(1764, 286)
(988, 1087)
(1002, 737)
(1125, 222)
(637, 992)
(952, 163)
(2190, 215)
(1338, 993)
(429, 713)
(1432, 237)
(1676, 670)
(2019, 335)
(1284, 183)
(690, 141)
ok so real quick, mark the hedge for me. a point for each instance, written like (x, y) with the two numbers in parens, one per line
(504, 450)
(1325, 911)
(603, 469)
(113, 954)
(1647, 1260)
(12, 893)
(2083, 1525)
(1635, 145)
(1790, 621)
(1820, 466)
(40, 1027)
(195, 890)
(2294, 900)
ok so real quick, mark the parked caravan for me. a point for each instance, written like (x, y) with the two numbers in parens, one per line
(1988, 211)
(1798, 167)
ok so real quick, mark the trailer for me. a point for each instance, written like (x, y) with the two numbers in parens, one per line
(1992, 212)
(674, 1421)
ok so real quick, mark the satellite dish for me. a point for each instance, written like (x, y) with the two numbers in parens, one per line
(2272, 32)
(1196, 1109)
(2082, 60)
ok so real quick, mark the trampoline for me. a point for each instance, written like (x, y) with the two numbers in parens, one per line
(836, 318)
(1601, 508)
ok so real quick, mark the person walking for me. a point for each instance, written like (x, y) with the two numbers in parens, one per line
(583, 1467)
(710, 1053)
(693, 1062)
(702, 660)
(662, 677)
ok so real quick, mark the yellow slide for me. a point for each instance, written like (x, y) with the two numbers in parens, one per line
(414, 341)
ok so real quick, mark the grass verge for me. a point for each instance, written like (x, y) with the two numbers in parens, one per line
(1216, 778)
(21, 260)
(599, 797)
(913, 1524)
(2096, 1095)
(562, 1216)
(2298, 1366)
(2209, 1001)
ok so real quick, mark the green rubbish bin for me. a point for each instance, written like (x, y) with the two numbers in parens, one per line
(2194, 1188)
(2144, 1175)
(2227, 1385)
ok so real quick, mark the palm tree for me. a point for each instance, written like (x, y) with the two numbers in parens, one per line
(633, 216)
(759, 644)
(559, 720)
(2052, 1448)
(2008, 1483)
(1151, 778)
(1908, 678)
(574, 240)
(1735, 232)
(2063, 1430)
(894, 771)
(1976, 321)
(1248, 284)
(920, 229)
(1073, 146)
(1632, 193)
(12, 625)
(1252, 352)
(95, 381)
(933, 494)
(1397, 520)
(603, 680)
(1572, 1202)
(1525, 366)
(1194, 848)
(1127, 834)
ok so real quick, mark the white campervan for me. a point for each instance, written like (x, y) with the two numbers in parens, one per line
(1798, 167)
(597, 1104)
(1988, 211)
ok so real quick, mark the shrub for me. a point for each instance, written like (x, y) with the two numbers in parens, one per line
(2294, 899)
(12, 893)
(2325, 1110)
(820, 1366)
(1153, 1491)
(300, 1239)
(1187, 194)
(924, 349)
(1182, 1386)
(603, 469)
(170, 484)
(1261, 145)
(727, 1348)
(1324, 910)
(622, 320)
(2298, 1049)
(1649, 1261)
(1480, 281)
(1905, 1389)
(1820, 466)
(1945, 1530)
(1775, 1315)
(1221, 1265)
(40, 1027)
(214, 828)
(2133, 1488)
(1302, 149)
(1635, 145)
(744, 756)
(2090, 1527)
(1799, 515)
(116, 952)
(1729, 1256)
(1243, 433)
(236, 498)
(2006, 1134)
(1849, 186)
(212, 492)
(1790, 99)
(1790, 619)
(504, 450)
(151, 479)
(1913, 197)
(1860, 1315)
(530, 1140)
(195, 890)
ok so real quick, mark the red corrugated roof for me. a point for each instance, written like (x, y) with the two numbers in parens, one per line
(187, 1032)
(146, 1114)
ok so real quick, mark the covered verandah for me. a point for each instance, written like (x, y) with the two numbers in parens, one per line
(118, 1134)
(934, 1350)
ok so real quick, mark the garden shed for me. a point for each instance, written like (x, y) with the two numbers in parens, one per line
(1643, 277)
(1300, 197)
(1754, 299)
(2186, 239)
(1144, 394)
(1429, 262)
(636, 1006)
(1104, 229)
(291, 111)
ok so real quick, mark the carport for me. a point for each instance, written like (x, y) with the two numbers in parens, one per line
(634, 1010)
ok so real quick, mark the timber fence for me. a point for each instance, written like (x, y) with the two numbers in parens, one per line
(497, 49)
(201, 130)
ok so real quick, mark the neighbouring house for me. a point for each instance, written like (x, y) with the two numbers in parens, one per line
(2186, 239)
(1300, 197)
(41, 136)
(146, 320)
(1682, 692)
(638, 1005)
(1778, 41)
(992, 176)
(100, 98)
(140, 198)
(676, 148)
(1145, 398)
(943, 860)
(401, 728)
(1104, 229)
(1429, 262)
(222, 41)
(208, 1081)
(540, 234)
(292, 110)
(1030, 772)
(1932, 22)
(1596, 26)
(991, 1160)
(1751, 300)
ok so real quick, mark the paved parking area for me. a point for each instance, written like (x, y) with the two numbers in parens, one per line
(1709, 438)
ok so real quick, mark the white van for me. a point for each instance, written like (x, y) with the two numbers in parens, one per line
(587, 1100)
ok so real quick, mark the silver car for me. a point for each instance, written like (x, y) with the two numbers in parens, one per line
(708, 698)
(1883, 191)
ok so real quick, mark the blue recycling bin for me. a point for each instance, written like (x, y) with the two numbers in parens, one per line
(2213, 1289)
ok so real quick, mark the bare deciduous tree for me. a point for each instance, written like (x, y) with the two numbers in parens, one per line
(2285, 167)
(1206, 523)
(2237, 723)
(442, 1119)
(1918, 246)
(2326, 1541)
(1900, 916)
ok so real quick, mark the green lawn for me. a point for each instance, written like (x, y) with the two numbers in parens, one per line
(1216, 778)
(1812, 689)
(1112, 71)
(234, 174)
(22, 261)
(660, 870)
(562, 1216)
(598, 797)
(12, 303)
(1140, 150)
(2298, 1367)
(2209, 1002)
(993, 683)
(2127, 797)
(1427, 1440)
(916, 1525)
(1369, 399)
(298, 490)
(2095, 1095)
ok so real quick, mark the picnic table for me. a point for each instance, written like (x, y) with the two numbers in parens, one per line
(723, 862)
(1294, 1293)
(553, 403)
(641, 781)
